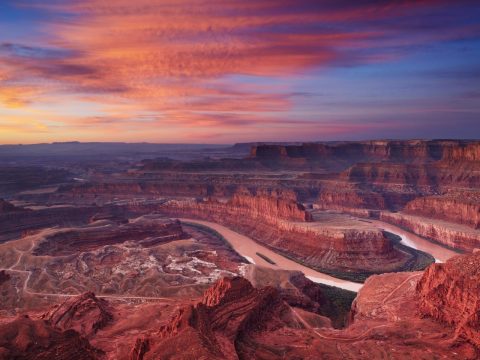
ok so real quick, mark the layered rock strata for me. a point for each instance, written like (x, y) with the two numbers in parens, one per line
(348, 253)
(219, 326)
(450, 293)
(462, 210)
(25, 338)
(86, 314)
(449, 234)
(147, 231)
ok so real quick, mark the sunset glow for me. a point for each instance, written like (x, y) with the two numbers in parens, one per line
(230, 71)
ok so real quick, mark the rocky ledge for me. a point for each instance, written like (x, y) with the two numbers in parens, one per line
(219, 326)
(85, 314)
(453, 235)
(26, 338)
(450, 293)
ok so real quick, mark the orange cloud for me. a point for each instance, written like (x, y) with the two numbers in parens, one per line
(170, 62)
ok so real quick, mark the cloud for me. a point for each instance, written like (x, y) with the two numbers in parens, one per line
(175, 58)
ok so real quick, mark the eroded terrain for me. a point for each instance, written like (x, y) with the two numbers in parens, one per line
(244, 255)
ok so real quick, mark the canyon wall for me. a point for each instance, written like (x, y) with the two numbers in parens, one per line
(450, 293)
(270, 208)
(391, 150)
(452, 235)
(465, 210)
(146, 230)
(349, 253)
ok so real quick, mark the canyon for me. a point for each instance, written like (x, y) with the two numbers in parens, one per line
(235, 320)
(341, 250)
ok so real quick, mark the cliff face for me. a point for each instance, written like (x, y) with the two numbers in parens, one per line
(450, 293)
(324, 248)
(452, 235)
(270, 207)
(25, 338)
(222, 324)
(85, 313)
(409, 151)
(342, 195)
(146, 230)
(463, 152)
(420, 177)
(464, 210)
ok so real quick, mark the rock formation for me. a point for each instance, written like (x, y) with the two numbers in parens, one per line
(147, 230)
(270, 207)
(462, 210)
(450, 293)
(344, 252)
(219, 326)
(85, 314)
(452, 235)
(236, 321)
(25, 338)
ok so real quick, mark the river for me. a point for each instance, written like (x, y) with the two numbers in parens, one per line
(248, 248)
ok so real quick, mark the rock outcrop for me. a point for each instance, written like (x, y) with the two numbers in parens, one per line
(348, 253)
(219, 327)
(270, 207)
(147, 230)
(85, 314)
(25, 338)
(453, 235)
(450, 293)
(462, 210)
(236, 321)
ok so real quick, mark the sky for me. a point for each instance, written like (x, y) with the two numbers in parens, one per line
(227, 71)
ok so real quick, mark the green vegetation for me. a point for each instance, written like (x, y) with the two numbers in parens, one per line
(419, 260)
(338, 306)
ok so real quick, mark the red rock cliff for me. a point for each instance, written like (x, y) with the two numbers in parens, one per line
(464, 210)
(450, 293)
(270, 207)
(452, 235)
(85, 313)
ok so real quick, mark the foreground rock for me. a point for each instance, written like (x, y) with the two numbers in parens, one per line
(450, 293)
(220, 326)
(236, 321)
(25, 338)
(86, 314)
